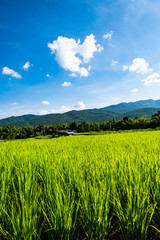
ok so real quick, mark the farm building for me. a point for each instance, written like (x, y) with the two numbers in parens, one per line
(66, 133)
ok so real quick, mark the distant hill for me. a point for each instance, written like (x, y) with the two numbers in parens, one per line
(91, 115)
(131, 110)
(127, 107)
(145, 112)
(16, 120)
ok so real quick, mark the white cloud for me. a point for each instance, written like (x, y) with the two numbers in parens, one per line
(125, 67)
(153, 78)
(108, 35)
(71, 54)
(84, 72)
(114, 63)
(47, 75)
(26, 66)
(14, 103)
(66, 84)
(45, 102)
(79, 106)
(134, 90)
(11, 72)
(89, 68)
(65, 109)
(139, 65)
(72, 75)
(88, 48)
(43, 112)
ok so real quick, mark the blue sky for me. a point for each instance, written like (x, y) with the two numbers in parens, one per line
(59, 55)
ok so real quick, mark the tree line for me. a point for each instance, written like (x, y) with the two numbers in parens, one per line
(13, 132)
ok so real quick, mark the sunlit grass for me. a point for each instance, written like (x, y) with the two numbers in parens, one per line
(84, 187)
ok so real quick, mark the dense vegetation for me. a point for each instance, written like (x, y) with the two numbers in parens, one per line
(138, 109)
(92, 115)
(83, 187)
(12, 132)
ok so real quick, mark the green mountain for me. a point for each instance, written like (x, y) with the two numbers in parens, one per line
(131, 110)
(145, 112)
(127, 107)
(90, 115)
(16, 120)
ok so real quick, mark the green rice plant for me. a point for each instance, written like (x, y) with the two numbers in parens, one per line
(59, 204)
(86, 187)
(5, 196)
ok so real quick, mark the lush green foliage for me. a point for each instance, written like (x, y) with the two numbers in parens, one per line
(81, 187)
(90, 116)
(12, 132)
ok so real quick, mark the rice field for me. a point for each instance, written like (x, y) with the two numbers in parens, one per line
(81, 187)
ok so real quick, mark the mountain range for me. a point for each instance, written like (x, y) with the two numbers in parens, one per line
(138, 109)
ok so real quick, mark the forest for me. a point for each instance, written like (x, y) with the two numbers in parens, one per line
(14, 132)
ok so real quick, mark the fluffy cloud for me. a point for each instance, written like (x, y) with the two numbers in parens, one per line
(72, 75)
(88, 48)
(108, 35)
(65, 109)
(11, 72)
(134, 90)
(45, 102)
(125, 67)
(84, 72)
(79, 106)
(66, 84)
(26, 66)
(43, 112)
(71, 54)
(153, 78)
(139, 65)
